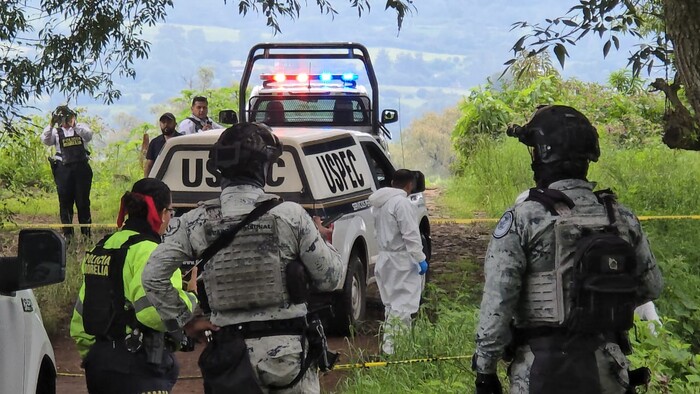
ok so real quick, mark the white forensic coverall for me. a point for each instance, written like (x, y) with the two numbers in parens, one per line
(400, 251)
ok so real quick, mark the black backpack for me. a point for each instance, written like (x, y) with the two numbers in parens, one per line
(604, 283)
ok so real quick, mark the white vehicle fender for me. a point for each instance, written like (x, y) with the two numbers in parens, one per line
(22, 336)
(347, 231)
(38, 346)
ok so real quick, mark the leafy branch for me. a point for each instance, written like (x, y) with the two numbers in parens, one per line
(609, 19)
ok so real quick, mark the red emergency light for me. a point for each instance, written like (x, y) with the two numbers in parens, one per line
(323, 79)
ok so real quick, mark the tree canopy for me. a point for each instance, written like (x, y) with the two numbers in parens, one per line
(668, 31)
(75, 47)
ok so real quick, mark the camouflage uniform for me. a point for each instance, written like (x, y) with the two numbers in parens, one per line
(523, 243)
(275, 359)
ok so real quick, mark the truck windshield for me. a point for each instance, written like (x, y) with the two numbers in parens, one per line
(312, 111)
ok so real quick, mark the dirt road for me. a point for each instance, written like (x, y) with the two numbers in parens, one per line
(458, 251)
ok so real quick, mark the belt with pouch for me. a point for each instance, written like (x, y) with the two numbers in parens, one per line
(258, 329)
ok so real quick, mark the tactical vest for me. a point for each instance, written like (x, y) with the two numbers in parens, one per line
(105, 310)
(591, 286)
(72, 148)
(249, 273)
(198, 123)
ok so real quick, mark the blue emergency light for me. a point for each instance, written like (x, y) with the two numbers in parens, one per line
(347, 79)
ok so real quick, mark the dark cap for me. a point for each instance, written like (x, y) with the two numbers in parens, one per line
(167, 116)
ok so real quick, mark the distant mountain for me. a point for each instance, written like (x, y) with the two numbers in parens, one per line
(445, 48)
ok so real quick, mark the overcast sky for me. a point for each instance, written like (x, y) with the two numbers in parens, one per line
(478, 30)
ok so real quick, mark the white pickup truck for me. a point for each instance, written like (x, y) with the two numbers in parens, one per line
(27, 364)
(334, 156)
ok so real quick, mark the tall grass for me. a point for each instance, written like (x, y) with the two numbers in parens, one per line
(114, 173)
(675, 365)
(494, 175)
(651, 180)
(57, 301)
(451, 334)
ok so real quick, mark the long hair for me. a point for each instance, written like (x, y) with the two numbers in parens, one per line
(136, 206)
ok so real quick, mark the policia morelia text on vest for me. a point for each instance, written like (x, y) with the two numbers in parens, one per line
(105, 311)
(107, 314)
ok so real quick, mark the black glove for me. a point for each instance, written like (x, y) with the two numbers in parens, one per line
(488, 384)
(638, 377)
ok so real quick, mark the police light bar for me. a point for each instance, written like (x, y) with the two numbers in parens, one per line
(348, 79)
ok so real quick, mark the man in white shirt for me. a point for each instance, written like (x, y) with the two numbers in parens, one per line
(198, 121)
(71, 170)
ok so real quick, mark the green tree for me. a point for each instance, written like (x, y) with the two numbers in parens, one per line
(219, 99)
(426, 142)
(625, 82)
(525, 69)
(629, 119)
(77, 47)
(668, 30)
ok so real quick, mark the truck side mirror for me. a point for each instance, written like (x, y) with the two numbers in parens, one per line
(228, 116)
(41, 261)
(390, 116)
(420, 182)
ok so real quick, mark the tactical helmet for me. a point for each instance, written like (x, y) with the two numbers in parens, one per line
(558, 133)
(62, 114)
(245, 148)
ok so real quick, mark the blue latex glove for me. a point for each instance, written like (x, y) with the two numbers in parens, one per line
(422, 267)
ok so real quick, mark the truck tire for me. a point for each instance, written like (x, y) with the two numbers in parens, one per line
(46, 383)
(350, 305)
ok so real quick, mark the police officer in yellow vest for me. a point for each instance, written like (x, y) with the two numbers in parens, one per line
(120, 336)
(71, 170)
(564, 271)
(261, 344)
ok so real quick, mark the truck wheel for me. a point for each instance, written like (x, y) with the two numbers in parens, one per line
(350, 304)
(46, 383)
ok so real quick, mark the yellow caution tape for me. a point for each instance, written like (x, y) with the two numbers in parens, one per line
(70, 375)
(364, 365)
(670, 217)
(375, 364)
(493, 220)
(462, 221)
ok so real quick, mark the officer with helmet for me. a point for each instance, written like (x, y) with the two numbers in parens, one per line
(71, 170)
(564, 270)
(251, 277)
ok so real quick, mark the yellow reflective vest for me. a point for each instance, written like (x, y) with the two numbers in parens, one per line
(135, 262)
